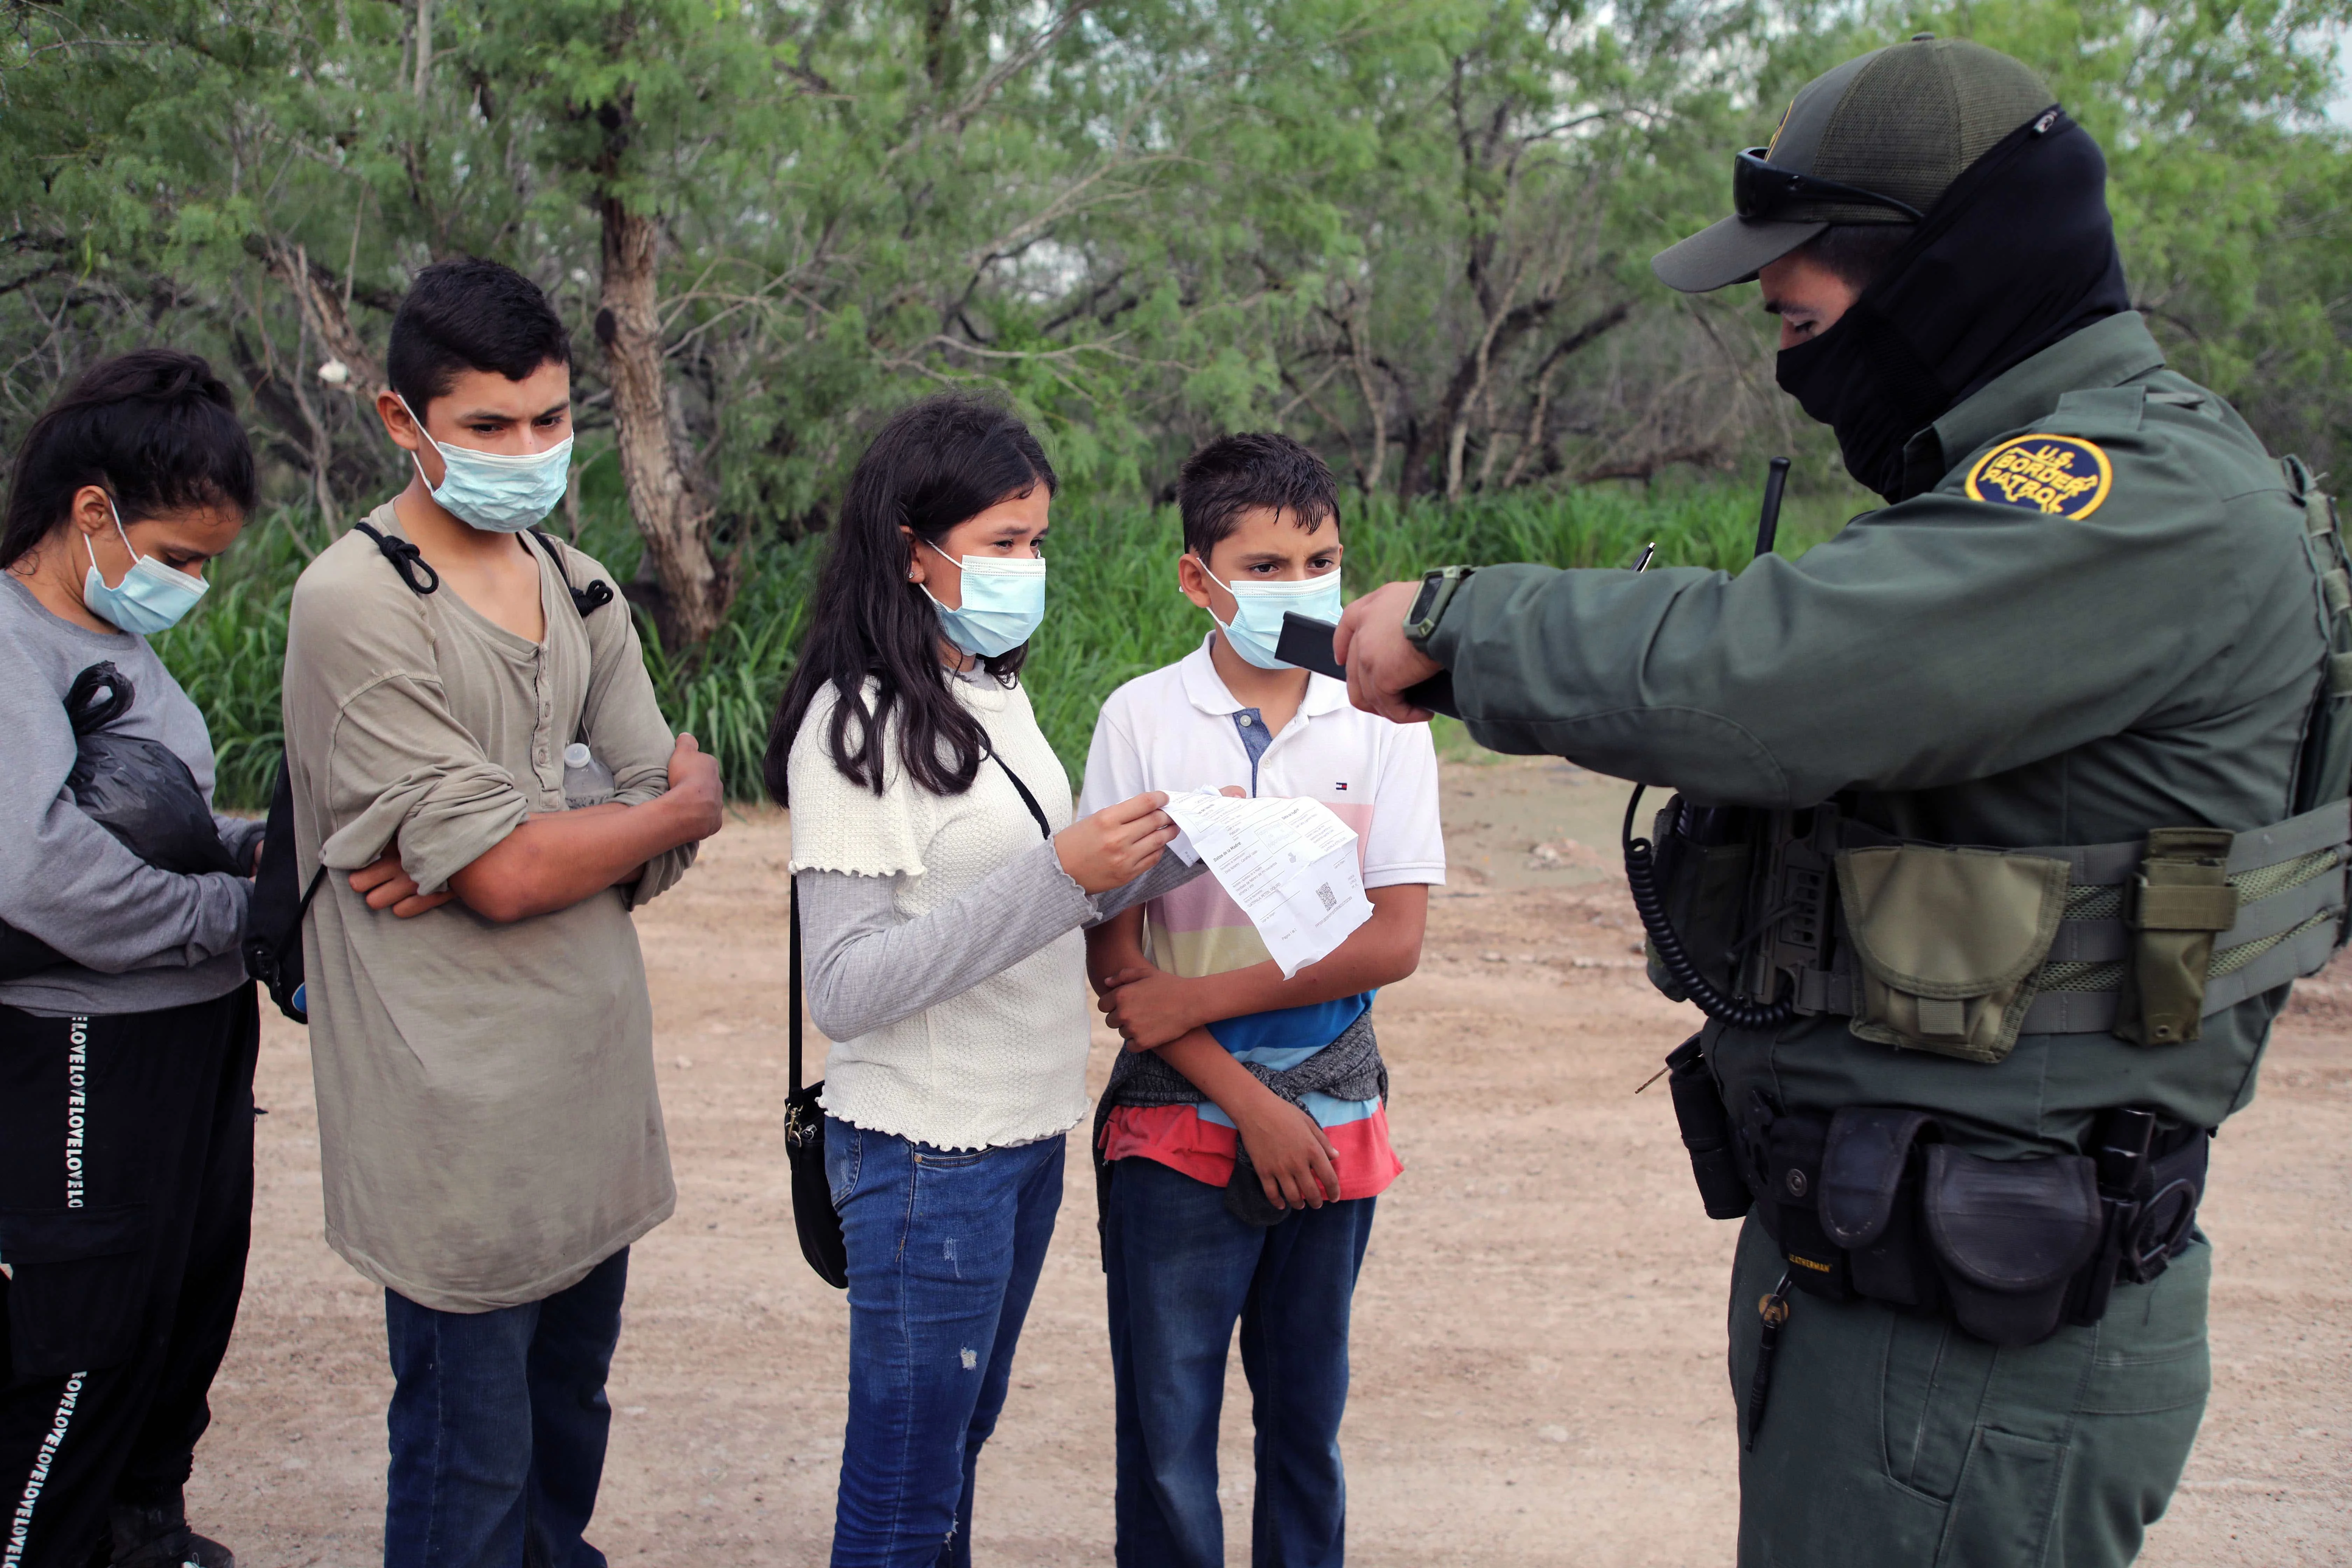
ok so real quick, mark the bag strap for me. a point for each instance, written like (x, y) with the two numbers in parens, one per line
(792, 987)
(418, 573)
(406, 560)
(595, 596)
(303, 909)
(792, 984)
(1037, 811)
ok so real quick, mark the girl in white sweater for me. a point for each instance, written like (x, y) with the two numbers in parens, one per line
(943, 887)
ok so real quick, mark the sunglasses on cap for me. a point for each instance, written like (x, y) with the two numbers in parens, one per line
(1760, 190)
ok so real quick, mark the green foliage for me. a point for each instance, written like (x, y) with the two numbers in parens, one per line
(229, 654)
(1413, 232)
(726, 698)
(1113, 614)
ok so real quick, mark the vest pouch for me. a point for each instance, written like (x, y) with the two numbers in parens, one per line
(2179, 902)
(77, 1292)
(2009, 1236)
(1949, 944)
(1704, 854)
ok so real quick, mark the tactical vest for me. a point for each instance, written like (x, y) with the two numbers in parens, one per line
(1763, 917)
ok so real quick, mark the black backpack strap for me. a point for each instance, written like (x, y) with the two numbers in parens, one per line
(595, 596)
(406, 560)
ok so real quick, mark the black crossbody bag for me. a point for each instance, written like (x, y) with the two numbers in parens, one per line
(814, 1218)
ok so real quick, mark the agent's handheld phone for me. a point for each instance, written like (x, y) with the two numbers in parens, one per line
(1305, 642)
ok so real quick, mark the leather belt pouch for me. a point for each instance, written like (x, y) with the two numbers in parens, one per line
(2009, 1235)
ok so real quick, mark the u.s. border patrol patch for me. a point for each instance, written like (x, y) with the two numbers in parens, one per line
(2064, 475)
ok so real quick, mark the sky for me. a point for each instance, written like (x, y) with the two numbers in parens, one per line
(2340, 109)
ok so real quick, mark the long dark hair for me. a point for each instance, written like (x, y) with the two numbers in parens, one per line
(155, 427)
(936, 463)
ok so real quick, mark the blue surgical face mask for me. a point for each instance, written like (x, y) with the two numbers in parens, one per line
(1258, 609)
(150, 598)
(1003, 600)
(497, 493)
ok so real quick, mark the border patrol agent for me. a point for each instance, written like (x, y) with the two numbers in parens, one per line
(2006, 817)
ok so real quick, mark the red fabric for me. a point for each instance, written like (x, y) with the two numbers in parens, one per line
(1177, 1138)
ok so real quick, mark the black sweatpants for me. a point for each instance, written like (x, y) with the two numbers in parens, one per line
(126, 1203)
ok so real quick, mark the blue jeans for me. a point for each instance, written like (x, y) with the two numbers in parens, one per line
(499, 1421)
(944, 1249)
(1181, 1269)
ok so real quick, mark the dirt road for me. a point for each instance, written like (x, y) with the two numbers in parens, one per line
(1538, 1334)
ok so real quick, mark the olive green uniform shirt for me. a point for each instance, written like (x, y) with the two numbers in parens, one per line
(1965, 671)
(488, 1128)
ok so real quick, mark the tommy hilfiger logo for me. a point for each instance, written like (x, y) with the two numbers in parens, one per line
(1341, 786)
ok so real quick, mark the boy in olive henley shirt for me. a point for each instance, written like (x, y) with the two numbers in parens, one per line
(488, 1128)
(491, 1140)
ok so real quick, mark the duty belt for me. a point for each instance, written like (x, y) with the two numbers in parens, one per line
(2273, 908)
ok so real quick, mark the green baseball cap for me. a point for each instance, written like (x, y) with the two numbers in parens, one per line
(1877, 140)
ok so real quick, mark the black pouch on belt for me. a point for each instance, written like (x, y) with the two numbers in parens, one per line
(1790, 1147)
(1871, 1175)
(1706, 1128)
(2009, 1236)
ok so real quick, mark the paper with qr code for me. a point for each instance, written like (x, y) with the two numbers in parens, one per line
(1290, 865)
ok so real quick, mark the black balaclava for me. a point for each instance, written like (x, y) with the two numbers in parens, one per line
(2019, 253)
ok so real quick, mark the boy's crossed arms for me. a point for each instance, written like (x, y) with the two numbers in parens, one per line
(1156, 1011)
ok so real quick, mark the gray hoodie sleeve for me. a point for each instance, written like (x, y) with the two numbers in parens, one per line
(71, 883)
(238, 836)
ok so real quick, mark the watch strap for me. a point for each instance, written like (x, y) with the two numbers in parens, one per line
(1437, 590)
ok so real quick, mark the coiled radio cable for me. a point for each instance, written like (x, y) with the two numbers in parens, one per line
(1642, 878)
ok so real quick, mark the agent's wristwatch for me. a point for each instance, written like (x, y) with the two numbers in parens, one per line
(1437, 590)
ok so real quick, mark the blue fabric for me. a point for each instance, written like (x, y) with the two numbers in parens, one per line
(944, 1250)
(1250, 725)
(1280, 1038)
(498, 1421)
(1181, 1270)
(1304, 1029)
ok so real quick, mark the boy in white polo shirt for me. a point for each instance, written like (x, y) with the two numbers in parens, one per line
(1244, 1137)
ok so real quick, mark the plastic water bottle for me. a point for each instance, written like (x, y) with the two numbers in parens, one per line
(586, 781)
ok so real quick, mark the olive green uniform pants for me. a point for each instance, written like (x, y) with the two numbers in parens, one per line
(1897, 1441)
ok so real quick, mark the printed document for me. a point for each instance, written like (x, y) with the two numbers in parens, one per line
(1290, 865)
